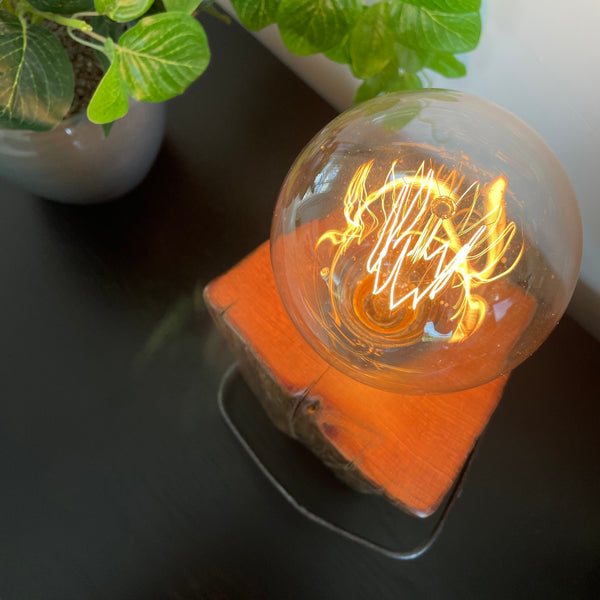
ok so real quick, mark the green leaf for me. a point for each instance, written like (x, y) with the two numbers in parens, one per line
(419, 27)
(122, 11)
(63, 7)
(106, 127)
(186, 6)
(36, 77)
(109, 29)
(162, 55)
(109, 101)
(340, 53)
(373, 86)
(389, 79)
(448, 6)
(256, 14)
(311, 26)
(446, 64)
(369, 89)
(371, 41)
(405, 81)
(409, 60)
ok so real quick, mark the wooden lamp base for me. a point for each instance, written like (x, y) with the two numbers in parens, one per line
(408, 448)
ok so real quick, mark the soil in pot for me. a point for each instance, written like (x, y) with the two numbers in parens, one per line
(86, 68)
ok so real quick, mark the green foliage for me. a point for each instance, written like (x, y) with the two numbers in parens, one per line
(448, 6)
(390, 79)
(256, 14)
(412, 60)
(170, 49)
(156, 57)
(310, 26)
(122, 11)
(371, 41)
(110, 101)
(446, 64)
(419, 27)
(36, 79)
(63, 7)
(153, 51)
(387, 43)
(186, 6)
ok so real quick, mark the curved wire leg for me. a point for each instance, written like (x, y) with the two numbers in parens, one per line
(419, 550)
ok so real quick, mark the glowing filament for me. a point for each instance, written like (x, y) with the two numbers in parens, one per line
(428, 247)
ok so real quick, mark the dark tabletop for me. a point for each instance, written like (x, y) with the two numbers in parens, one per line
(120, 479)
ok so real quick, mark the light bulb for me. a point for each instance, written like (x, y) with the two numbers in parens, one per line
(426, 242)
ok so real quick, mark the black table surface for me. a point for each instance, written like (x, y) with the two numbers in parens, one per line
(120, 479)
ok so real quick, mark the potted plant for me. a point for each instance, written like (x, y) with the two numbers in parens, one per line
(147, 56)
(388, 44)
(150, 51)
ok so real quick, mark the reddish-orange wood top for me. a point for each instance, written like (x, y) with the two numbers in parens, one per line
(412, 447)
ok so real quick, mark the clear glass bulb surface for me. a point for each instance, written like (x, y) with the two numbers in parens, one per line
(426, 242)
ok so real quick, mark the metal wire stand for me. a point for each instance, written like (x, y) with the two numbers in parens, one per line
(419, 550)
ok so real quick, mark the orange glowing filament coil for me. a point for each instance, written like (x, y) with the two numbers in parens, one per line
(429, 245)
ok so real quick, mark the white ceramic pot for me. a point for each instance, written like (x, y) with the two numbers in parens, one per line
(76, 163)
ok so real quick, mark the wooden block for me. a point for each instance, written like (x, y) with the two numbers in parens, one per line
(408, 448)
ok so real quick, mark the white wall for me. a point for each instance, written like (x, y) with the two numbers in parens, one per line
(541, 60)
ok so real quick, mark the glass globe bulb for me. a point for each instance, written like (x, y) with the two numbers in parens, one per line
(426, 242)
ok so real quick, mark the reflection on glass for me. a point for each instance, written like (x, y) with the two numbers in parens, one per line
(426, 242)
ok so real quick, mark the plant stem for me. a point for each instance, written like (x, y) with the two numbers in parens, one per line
(96, 36)
(60, 19)
(90, 32)
(216, 13)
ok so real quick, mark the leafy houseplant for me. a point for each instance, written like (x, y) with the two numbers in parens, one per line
(152, 51)
(388, 44)
(148, 54)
